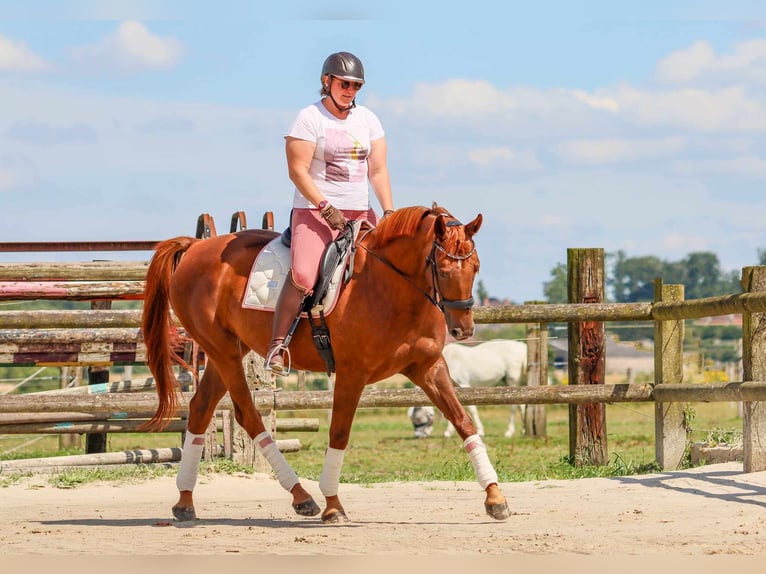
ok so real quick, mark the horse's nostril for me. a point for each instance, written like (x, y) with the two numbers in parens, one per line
(460, 334)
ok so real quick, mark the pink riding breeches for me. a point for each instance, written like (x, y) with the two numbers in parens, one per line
(310, 235)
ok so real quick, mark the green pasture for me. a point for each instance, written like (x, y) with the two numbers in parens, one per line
(383, 448)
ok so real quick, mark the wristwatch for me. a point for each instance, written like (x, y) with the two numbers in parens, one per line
(322, 204)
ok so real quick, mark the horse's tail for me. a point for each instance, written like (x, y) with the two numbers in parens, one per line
(161, 337)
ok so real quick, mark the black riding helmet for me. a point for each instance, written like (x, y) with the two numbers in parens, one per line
(344, 66)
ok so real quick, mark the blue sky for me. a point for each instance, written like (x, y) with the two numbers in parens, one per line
(637, 128)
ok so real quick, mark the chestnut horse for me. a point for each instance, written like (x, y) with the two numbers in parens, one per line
(411, 273)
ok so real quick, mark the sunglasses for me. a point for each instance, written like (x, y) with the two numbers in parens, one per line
(345, 84)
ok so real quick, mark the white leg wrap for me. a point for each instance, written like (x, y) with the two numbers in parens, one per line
(190, 457)
(477, 452)
(333, 462)
(268, 448)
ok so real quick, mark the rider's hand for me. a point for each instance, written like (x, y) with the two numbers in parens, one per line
(334, 217)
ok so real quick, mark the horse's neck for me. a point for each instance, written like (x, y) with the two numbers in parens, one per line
(406, 255)
(394, 271)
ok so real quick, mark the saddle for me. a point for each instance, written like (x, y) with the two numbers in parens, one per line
(333, 256)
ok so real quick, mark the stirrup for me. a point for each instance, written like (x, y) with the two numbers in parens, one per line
(286, 360)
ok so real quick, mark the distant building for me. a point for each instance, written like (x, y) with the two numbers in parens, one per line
(620, 357)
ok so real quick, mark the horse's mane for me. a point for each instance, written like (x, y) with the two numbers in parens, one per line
(404, 222)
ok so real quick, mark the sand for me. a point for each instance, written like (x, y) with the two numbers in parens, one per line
(712, 510)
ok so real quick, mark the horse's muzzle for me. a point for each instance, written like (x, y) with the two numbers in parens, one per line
(460, 333)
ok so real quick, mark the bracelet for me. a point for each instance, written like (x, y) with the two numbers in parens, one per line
(388, 212)
(322, 204)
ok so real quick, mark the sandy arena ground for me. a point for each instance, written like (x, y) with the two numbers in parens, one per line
(713, 510)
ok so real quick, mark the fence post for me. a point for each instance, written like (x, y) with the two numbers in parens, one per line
(97, 443)
(754, 369)
(587, 353)
(669, 427)
(69, 440)
(537, 374)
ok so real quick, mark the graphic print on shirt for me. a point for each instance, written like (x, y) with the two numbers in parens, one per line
(345, 157)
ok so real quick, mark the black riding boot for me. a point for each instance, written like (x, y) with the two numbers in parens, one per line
(285, 312)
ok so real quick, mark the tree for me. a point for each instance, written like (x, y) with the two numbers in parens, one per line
(556, 290)
(703, 275)
(632, 278)
(481, 292)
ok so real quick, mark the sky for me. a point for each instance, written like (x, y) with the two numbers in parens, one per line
(638, 127)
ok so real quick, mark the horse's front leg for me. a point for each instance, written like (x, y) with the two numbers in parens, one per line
(474, 412)
(344, 404)
(436, 383)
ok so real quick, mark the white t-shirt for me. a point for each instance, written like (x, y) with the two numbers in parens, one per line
(339, 165)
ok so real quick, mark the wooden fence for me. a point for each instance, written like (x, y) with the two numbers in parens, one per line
(586, 394)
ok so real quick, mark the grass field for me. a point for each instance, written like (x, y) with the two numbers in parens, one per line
(383, 448)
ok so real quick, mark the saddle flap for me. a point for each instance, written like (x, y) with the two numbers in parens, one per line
(334, 255)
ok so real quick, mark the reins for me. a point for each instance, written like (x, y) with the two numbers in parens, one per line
(437, 298)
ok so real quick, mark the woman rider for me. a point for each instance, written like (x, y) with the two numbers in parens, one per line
(334, 148)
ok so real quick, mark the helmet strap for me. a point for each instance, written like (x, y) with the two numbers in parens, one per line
(341, 108)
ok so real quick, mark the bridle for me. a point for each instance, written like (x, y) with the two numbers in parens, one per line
(436, 297)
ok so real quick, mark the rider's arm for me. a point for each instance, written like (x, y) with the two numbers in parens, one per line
(378, 173)
(299, 153)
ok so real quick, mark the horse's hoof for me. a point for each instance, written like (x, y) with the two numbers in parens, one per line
(498, 511)
(182, 514)
(335, 517)
(306, 508)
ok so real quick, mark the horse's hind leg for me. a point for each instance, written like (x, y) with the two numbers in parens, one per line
(201, 408)
(522, 410)
(511, 430)
(248, 417)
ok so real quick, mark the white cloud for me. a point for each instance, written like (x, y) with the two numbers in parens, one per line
(722, 110)
(617, 150)
(504, 156)
(132, 47)
(747, 166)
(699, 62)
(16, 172)
(7, 178)
(685, 65)
(597, 102)
(684, 242)
(16, 57)
(43, 133)
(456, 98)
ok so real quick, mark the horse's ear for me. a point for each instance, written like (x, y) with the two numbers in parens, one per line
(440, 228)
(472, 227)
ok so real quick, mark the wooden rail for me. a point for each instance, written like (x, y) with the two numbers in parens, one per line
(78, 271)
(376, 398)
(133, 425)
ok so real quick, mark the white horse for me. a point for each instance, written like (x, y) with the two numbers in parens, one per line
(483, 365)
